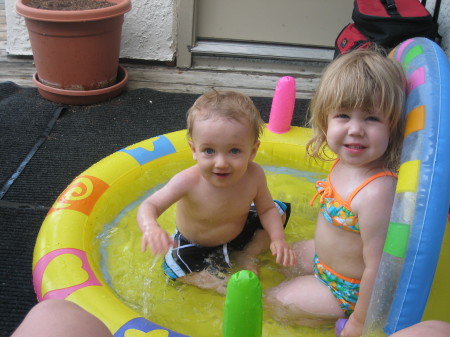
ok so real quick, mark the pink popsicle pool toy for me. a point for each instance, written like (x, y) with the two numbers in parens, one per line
(283, 103)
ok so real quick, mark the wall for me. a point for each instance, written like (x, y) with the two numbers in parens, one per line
(444, 22)
(150, 30)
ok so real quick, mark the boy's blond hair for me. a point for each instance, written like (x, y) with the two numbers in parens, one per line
(363, 80)
(225, 104)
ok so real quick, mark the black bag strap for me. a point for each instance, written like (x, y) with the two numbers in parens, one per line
(391, 8)
(437, 8)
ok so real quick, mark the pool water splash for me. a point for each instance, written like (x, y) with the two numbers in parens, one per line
(139, 281)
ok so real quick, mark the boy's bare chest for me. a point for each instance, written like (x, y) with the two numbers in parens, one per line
(233, 200)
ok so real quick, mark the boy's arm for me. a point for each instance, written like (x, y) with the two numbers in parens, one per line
(153, 236)
(374, 221)
(271, 221)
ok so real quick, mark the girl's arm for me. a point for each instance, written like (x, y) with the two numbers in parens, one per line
(153, 236)
(374, 211)
(271, 221)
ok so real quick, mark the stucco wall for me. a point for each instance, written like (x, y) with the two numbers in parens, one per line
(150, 28)
(444, 22)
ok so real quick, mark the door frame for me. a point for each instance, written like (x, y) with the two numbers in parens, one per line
(186, 32)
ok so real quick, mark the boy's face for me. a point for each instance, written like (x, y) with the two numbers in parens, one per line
(223, 148)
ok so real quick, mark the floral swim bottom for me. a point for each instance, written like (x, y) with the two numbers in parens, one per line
(345, 289)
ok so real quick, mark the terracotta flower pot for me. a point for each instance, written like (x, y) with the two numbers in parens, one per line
(76, 50)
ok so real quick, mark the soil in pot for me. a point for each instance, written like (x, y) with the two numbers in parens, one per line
(68, 5)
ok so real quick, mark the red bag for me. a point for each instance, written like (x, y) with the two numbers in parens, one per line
(386, 23)
(350, 38)
(389, 22)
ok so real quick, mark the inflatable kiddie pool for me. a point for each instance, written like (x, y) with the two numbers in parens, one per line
(69, 257)
(90, 235)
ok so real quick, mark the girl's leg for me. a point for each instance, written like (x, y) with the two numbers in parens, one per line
(305, 301)
(426, 328)
(60, 318)
(304, 250)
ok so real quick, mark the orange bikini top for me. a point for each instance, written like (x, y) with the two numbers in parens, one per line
(336, 210)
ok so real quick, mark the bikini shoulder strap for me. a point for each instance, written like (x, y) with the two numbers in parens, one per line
(364, 183)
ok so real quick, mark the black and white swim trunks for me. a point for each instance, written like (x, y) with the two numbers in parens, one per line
(188, 257)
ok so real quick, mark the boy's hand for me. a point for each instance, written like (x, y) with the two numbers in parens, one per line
(157, 240)
(284, 253)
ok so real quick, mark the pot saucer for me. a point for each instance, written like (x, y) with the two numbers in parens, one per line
(82, 97)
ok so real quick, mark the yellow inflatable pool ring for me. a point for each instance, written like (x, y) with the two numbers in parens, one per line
(66, 255)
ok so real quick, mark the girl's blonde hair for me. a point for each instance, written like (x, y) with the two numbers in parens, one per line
(360, 80)
(225, 104)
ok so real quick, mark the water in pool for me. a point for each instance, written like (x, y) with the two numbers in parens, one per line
(138, 279)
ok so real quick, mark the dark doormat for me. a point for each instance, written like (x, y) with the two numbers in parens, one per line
(80, 137)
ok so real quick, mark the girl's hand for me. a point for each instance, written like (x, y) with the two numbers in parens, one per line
(157, 240)
(353, 328)
(284, 253)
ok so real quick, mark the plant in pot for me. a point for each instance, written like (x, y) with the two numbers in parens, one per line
(76, 51)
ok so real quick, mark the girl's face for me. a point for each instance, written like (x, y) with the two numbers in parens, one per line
(223, 149)
(358, 138)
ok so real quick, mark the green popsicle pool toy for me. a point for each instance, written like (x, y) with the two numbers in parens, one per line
(243, 306)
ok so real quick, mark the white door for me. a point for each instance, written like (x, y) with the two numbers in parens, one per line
(221, 26)
(298, 22)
